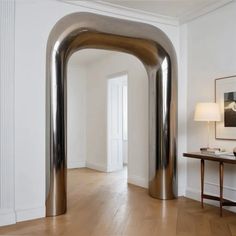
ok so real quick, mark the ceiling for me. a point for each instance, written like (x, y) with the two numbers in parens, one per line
(177, 10)
(88, 56)
(172, 8)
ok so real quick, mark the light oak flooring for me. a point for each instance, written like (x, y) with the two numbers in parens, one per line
(102, 204)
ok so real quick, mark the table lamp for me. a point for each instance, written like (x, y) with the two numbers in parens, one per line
(207, 111)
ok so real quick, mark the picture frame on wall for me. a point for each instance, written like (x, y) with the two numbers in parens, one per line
(225, 96)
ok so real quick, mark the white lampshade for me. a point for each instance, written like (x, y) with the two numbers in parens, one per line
(207, 112)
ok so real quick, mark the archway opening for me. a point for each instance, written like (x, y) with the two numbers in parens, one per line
(154, 49)
(107, 115)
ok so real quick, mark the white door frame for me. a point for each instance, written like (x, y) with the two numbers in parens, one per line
(118, 136)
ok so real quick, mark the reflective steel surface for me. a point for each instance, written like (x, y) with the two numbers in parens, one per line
(85, 30)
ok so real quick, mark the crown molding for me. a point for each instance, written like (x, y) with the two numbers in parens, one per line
(141, 15)
(124, 12)
(202, 10)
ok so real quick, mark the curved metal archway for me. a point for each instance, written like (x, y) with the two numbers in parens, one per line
(85, 30)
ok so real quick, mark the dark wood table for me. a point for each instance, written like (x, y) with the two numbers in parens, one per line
(221, 160)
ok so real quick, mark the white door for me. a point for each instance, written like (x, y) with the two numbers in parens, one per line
(114, 120)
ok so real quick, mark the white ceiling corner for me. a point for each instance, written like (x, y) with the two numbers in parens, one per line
(203, 10)
(122, 11)
(183, 10)
(171, 12)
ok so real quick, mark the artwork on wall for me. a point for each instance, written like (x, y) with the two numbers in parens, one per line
(225, 96)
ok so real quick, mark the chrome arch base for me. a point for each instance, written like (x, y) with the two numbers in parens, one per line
(85, 30)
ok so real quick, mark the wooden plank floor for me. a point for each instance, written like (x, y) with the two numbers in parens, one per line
(102, 204)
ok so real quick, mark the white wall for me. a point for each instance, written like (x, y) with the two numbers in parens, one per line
(7, 152)
(182, 110)
(34, 20)
(125, 120)
(125, 152)
(211, 54)
(76, 115)
(98, 74)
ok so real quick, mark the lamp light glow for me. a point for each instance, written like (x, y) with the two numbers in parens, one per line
(207, 112)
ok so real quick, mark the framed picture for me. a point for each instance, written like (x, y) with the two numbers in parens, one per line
(225, 96)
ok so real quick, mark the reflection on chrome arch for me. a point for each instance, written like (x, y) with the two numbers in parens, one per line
(85, 30)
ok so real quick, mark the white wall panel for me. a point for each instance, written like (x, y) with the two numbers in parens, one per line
(76, 116)
(7, 64)
(211, 54)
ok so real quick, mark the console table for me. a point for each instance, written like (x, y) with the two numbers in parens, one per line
(221, 160)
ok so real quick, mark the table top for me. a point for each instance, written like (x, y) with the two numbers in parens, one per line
(211, 157)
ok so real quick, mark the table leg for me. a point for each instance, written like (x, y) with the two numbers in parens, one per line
(221, 185)
(202, 180)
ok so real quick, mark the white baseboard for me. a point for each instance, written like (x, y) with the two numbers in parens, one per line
(181, 191)
(195, 194)
(7, 217)
(30, 214)
(76, 164)
(137, 180)
(96, 166)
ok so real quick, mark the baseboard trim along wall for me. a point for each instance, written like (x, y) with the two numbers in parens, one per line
(137, 180)
(7, 217)
(76, 164)
(30, 214)
(212, 189)
(181, 191)
(96, 166)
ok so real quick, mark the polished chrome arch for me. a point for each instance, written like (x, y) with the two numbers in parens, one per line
(85, 30)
